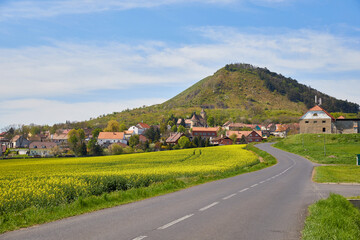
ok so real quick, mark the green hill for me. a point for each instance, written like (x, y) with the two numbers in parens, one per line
(244, 86)
(237, 92)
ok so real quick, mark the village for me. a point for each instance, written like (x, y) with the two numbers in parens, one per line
(194, 132)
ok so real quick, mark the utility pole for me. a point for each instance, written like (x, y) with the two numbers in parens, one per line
(324, 147)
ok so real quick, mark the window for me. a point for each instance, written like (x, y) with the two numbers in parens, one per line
(315, 114)
(323, 121)
(324, 129)
(306, 121)
(315, 121)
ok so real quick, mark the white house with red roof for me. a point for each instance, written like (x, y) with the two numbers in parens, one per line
(108, 138)
(317, 120)
(139, 128)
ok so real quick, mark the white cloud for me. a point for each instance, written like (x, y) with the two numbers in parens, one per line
(42, 111)
(49, 8)
(66, 69)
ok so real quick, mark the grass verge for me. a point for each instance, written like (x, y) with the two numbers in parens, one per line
(337, 174)
(35, 215)
(332, 218)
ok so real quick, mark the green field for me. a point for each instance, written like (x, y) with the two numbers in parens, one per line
(337, 174)
(332, 218)
(31, 189)
(339, 148)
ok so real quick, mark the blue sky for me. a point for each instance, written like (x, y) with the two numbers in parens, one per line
(76, 59)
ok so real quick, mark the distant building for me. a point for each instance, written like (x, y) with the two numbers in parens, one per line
(139, 128)
(318, 120)
(204, 132)
(223, 140)
(250, 136)
(174, 138)
(42, 149)
(108, 138)
(19, 141)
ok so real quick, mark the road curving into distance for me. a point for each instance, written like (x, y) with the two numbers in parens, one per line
(267, 204)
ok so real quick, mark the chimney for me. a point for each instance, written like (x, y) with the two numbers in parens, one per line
(316, 102)
(320, 101)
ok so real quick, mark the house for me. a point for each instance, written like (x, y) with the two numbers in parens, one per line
(281, 131)
(42, 149)
(237, 126)
(186, 121)
(174, 138)
(38, 138)
(317, 120)
(204, 132)
(108, 138)
(139, 128)
(223, 140)
(128, 134)
(345, 126)
(59, 138)
(19, 141)
(250, 136)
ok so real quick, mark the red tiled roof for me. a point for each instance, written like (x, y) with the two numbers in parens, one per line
(341, 117)
(204, 129)
(318, 108)
(239, 134)
(143, 125)
(111, 135)
(174, 137)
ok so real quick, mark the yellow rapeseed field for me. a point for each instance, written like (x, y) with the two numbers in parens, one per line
(50, 182)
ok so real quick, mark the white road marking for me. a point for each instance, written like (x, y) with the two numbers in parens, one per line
(230, 196)
(254, 185)
(208, 206)
(140, 238)
(244, 190)
(262, 181)
(175, 222)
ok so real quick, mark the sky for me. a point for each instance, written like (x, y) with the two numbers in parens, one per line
(77, 59)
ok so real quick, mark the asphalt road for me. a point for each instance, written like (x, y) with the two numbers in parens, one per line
(267, 204)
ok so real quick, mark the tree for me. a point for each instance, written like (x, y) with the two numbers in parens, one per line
(94, 148)
(113, 126)
(134, 140)
(116, 149)
(76, 140)
(181, 129)
(211, 121)
(152, 134)
(171, 123)
(174, 128)
(163, 127)
(233, 137)
(182, 123)
(184, 142)
(122, 127)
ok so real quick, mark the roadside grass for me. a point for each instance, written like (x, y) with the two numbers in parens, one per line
(332, 218)
(339, 148)
(337, 174)
(38, 214)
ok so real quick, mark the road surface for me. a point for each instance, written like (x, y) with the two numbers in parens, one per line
(267, 204)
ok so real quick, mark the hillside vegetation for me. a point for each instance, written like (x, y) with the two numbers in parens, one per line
(237, 92)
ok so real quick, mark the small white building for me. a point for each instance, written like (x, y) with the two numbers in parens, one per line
(107, 138)
(139, 128)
